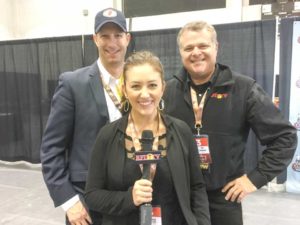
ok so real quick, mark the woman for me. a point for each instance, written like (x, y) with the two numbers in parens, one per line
(115, 186)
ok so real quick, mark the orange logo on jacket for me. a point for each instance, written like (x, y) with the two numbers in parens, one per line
(219, 96)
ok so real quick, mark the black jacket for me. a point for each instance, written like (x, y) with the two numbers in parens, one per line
(235, 103)
(78, 111)
(106, 192)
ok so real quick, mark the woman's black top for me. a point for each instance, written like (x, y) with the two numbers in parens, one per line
(164, 194)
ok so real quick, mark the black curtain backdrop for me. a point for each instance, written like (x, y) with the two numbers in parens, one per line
(29, 71)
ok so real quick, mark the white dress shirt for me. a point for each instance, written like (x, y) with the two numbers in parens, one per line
(113, 111)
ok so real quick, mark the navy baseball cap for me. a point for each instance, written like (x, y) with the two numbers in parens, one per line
(110, 15)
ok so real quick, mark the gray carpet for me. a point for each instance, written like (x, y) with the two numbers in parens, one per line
(25, 201)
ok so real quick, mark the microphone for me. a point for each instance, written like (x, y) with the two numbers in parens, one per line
(146, 156)
(146, 143)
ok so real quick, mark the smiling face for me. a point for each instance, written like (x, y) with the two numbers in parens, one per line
(198, 52)
(143, 88)
(112, 43)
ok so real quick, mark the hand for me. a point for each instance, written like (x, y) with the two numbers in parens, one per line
(77, 215)
(238, 189)
(142, 192)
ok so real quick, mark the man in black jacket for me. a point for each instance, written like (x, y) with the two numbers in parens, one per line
(221, 106)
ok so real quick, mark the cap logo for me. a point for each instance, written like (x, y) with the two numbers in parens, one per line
(109, 13)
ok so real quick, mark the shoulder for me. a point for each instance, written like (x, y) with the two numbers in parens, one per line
(178, 124)
(79, 74)
(172, 81)
(171, 85)
(240, 82)
(174, 86)
(178, 79)
(181, 133)
(228, 73)
(243, 79)
(110, 129)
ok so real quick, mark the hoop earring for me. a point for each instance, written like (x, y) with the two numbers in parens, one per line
(126, 105)
(161, 105)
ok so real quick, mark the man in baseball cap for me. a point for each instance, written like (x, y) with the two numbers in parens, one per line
(110, 15)
(83, 105)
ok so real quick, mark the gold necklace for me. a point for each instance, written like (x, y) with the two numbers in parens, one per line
(137, 144)
(134, 133)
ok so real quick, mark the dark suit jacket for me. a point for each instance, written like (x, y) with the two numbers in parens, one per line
(78, 111)
(106, 192)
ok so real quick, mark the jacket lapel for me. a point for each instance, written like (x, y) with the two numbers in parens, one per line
(97, 90)
(178, 162)
(182, 77)
(117, 153)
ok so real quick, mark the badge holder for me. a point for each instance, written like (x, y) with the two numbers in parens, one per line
(202, 142)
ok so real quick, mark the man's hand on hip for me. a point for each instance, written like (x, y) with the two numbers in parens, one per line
(237, 189)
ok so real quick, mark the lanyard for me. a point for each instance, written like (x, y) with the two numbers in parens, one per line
(198, 109)
(111, 94)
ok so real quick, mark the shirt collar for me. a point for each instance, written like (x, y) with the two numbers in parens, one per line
(107, 77)
(212, 79)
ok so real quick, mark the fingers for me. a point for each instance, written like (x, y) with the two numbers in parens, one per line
(88, 219)
(233, 193)
(83, 219)
(142, 192)
(241, 197)
(238, 189)
(78, 215)
(228, 186)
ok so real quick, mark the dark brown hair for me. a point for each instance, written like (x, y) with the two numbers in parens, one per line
(141, 58)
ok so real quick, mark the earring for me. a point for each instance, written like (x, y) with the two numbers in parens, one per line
(161, 105)
(126, 105)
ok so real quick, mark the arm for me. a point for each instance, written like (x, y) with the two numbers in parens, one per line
(56, 142)
(273, 131)
(99, 196)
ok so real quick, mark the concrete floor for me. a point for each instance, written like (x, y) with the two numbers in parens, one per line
(24, 200)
